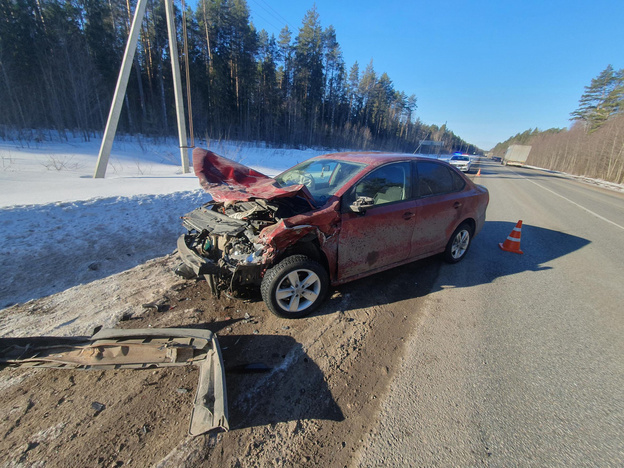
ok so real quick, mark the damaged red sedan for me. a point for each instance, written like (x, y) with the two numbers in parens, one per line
(331, 219)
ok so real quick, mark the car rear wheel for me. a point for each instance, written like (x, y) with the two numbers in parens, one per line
(295, 287)
(458, 244)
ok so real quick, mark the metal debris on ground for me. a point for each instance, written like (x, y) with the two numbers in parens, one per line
(98, 407)
(135, 349)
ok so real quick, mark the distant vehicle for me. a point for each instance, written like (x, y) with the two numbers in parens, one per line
(516, 155)
(328, 220)
(461, 162)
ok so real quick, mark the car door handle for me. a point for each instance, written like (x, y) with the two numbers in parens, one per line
(457, 205)
(408, 215)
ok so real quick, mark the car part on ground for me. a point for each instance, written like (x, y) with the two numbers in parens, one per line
(135, 349)
(328, 220)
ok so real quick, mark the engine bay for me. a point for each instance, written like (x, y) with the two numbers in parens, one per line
(225, 235)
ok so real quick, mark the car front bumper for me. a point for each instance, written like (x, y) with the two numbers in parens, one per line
(194, 261)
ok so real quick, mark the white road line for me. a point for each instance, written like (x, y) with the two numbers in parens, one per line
(574, 203)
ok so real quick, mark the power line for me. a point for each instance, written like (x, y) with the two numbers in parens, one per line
(277, 13)
(273, 13)
(258, 15)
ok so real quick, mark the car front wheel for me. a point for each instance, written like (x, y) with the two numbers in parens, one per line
(295, 287)
(458, 244)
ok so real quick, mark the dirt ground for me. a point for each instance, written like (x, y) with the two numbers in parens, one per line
(312, 407)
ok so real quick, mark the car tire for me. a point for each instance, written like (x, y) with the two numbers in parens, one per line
(295, 287)
(458, 244)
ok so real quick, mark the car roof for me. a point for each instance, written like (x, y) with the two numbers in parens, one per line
(373, 158)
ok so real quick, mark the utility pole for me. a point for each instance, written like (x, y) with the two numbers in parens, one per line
(177, 82)
(122, 84)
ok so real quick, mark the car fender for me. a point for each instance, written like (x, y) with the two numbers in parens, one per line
(321, 226)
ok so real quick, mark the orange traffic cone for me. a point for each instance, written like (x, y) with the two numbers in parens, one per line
(479, 172)
(512, 243)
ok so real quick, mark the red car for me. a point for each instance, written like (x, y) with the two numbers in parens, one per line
(331, 219)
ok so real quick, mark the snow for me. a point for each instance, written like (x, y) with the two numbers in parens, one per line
(60, 228)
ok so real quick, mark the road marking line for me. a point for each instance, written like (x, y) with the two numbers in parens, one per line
(574, 203)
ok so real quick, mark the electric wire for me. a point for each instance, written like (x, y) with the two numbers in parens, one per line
(273, 13)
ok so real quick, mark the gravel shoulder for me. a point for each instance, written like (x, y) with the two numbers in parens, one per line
(320, 397)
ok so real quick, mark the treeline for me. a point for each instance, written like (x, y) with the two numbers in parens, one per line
(523, 138)
(59, 62)
(594, 145)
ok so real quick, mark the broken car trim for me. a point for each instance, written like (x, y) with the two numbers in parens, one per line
(136, 349)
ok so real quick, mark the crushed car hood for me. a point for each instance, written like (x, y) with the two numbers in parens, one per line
(227, 180)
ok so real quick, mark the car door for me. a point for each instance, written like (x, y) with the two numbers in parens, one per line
(381, 234)
(439, 207)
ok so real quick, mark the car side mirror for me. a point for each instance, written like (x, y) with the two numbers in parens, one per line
(362, 204)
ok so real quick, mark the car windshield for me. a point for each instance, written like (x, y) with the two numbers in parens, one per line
(323, 177)
(460, 158)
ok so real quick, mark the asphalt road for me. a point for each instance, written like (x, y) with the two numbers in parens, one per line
(519, 360)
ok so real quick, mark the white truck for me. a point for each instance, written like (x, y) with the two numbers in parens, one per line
(516, 155)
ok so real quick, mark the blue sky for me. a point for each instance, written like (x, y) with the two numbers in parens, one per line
(488, 69)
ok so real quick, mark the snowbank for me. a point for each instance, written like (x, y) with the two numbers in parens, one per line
(59, 227)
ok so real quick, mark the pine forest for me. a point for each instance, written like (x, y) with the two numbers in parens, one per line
(59, 61)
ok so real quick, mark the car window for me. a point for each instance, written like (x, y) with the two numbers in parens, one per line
(322, 170)
(323, 177)
(435, 179)
(387, 184)
(458, 181)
